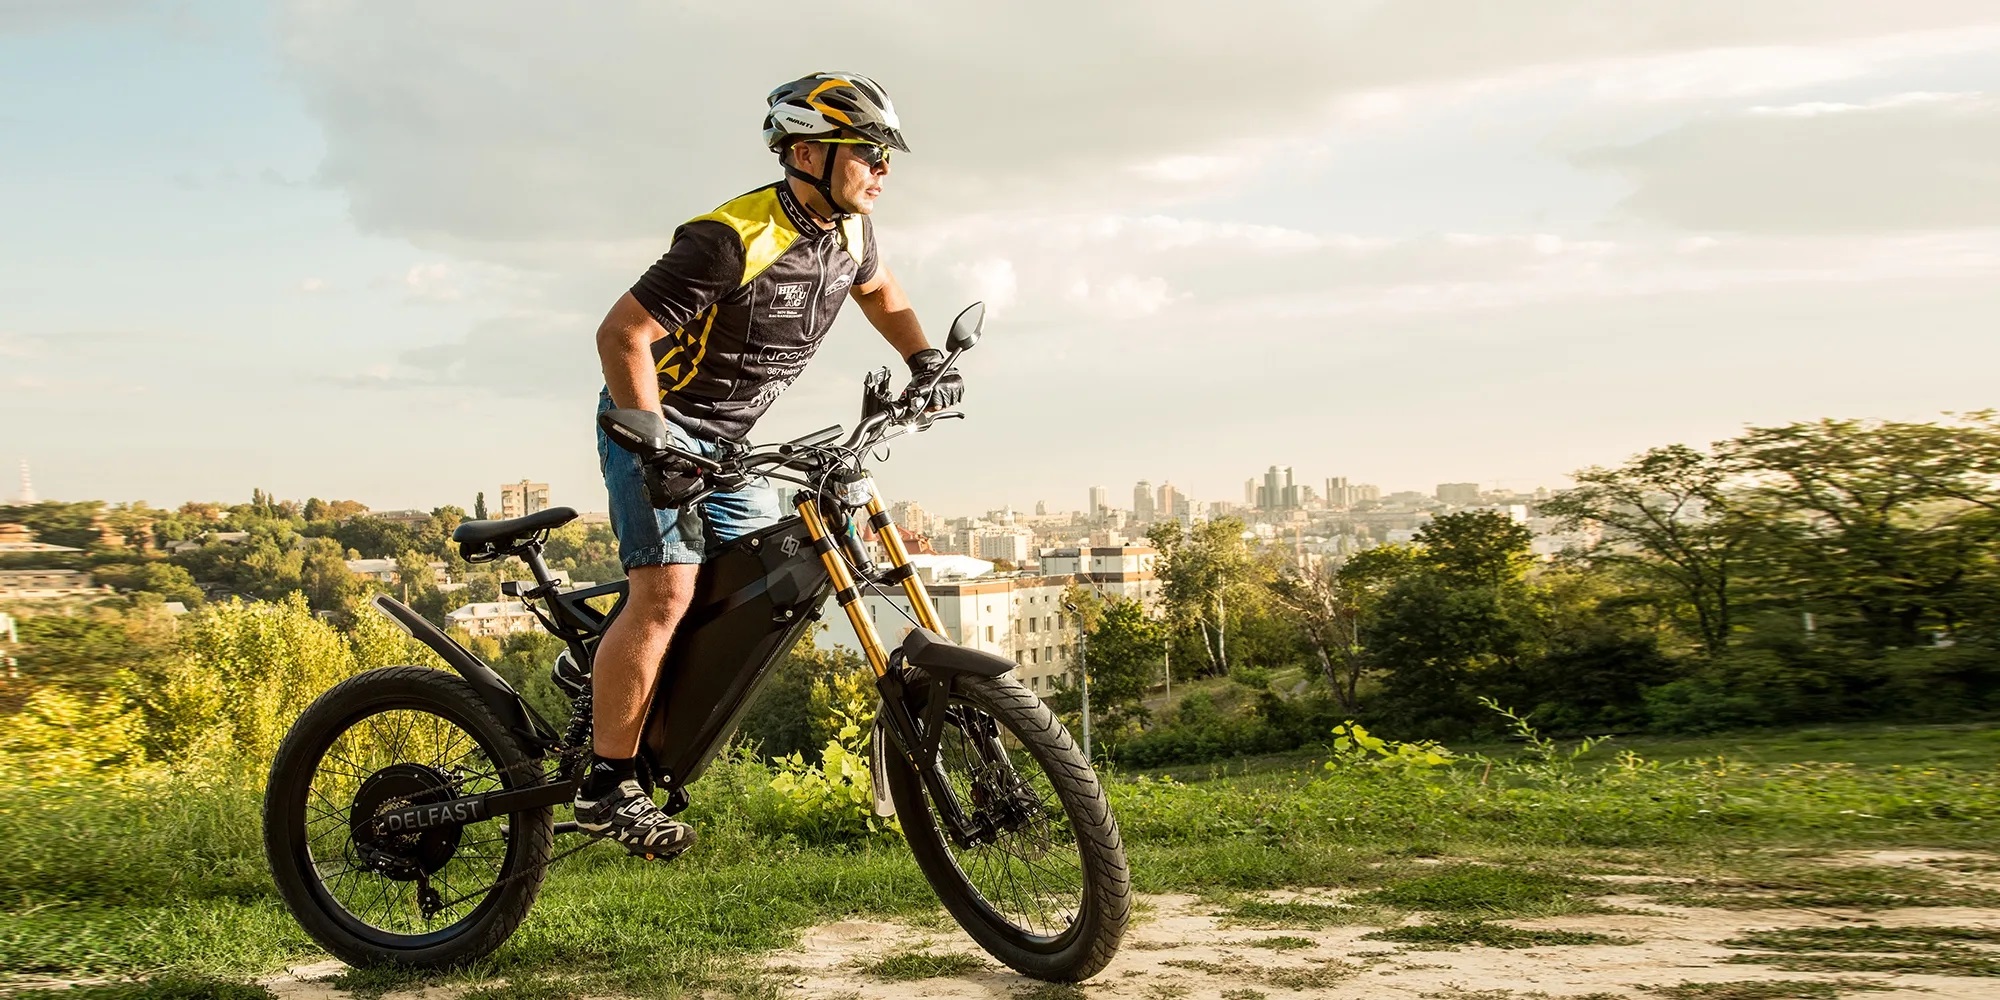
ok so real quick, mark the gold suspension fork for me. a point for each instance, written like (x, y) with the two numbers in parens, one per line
(899, 563)
(843, 587)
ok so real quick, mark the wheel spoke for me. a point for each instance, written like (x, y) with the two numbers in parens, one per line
(395, 756)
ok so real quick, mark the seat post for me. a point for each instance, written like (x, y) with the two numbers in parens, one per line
(531, 553)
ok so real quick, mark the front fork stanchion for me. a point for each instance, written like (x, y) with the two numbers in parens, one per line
(843, 587)
(899, 566)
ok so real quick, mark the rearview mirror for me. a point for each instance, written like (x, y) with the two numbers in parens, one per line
(639, 431)
(965, 329)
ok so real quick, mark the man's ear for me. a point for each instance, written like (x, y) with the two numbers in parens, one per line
(802, 155)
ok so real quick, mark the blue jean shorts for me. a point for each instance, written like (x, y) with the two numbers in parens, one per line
(649, 537)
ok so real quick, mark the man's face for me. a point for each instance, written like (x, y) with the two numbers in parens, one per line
(855, 184)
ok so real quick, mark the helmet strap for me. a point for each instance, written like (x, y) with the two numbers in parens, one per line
(824, 185)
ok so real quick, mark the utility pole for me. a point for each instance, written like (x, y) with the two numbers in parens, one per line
(1083, 667)
(1168, 653)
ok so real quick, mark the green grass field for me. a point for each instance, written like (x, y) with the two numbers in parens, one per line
(163, 889)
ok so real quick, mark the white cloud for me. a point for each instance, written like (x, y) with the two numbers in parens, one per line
(991, 280)
(312, 285)
(1906, 163)
(1814, 109)
(450, 121)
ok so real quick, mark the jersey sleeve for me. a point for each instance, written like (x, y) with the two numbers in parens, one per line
(704, 264)
(870, 263)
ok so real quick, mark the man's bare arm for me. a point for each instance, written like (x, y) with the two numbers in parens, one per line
(888, 309)
(625, 349)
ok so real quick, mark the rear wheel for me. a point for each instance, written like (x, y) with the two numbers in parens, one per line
(379, 741)
(1044, 884)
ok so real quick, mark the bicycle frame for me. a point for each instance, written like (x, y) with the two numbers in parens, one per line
(753, 600)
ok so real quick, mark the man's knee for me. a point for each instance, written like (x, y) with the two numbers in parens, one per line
(660, 594)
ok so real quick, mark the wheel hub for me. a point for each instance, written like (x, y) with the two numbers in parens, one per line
(404, 857)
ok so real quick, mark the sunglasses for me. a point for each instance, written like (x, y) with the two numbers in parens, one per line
(872, 154)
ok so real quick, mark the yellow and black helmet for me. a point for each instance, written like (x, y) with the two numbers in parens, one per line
(825, 105)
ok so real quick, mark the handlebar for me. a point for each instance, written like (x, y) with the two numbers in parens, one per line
(645, 434)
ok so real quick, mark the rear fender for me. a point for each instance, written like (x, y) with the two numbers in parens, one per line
(493, 689)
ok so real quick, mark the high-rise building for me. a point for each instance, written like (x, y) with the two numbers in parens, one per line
(1142, 502)
(27, 486)
(1458, 494)
(1041, 508)
(523, 498)
(1337, 494)
(1100, 502)
(1278, 491)
(1169, 501)
(910, 514)
(1250, 493)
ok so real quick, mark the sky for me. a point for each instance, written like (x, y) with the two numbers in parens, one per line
(360, 250)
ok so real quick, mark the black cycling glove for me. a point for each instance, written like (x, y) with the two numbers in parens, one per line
(924, 365)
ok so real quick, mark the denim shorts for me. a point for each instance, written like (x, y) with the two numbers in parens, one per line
(649, 537)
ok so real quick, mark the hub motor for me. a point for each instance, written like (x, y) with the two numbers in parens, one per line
(409, 856)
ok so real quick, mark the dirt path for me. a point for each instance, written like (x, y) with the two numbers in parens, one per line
(1180, 949)
(1185, 947)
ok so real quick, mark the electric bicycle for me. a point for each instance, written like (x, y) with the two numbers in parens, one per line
(410, 816)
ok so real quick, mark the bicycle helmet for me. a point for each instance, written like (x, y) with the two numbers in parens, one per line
(827, 106)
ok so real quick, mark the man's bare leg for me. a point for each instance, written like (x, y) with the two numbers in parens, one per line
(626, 668)
(610, 802)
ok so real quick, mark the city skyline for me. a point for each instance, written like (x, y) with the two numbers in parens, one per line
(1497, 248)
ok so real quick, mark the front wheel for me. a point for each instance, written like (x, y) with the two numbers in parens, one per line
(383, 740)
(1043, 885)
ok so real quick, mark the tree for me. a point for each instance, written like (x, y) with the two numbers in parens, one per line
(1884, 527)
(171, 582)
(328, 584)
(1453, 620)
(1202, 571)
(58, 523)
(1476, 546)
(1669, 523)
(1123, 657)
(479, 507)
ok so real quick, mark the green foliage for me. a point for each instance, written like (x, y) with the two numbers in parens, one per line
(88, 649)
(1354, 746)
(168, 581)
(237, 677)
(794, 711)
(58, 523)
(832, 800)
(1123, 654)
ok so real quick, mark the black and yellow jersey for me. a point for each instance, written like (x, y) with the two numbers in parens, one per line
(746, 294)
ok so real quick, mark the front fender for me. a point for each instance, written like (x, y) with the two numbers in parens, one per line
(925, 648)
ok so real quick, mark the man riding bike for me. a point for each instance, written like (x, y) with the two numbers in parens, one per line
(710, 336)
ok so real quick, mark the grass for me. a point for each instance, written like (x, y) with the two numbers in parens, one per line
(1936, 951)
(1783, 884)
(1317, 974)
(1768, 989)
(924, 965)
(1972, 746)
(1283, 942)
(1475, 931)
(169, 879)
(1308, 916)
(170, 986)
(1489, 889)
